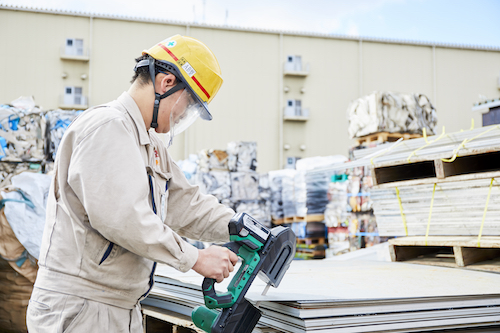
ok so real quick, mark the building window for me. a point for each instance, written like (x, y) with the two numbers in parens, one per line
(74, 46)
(73, 96)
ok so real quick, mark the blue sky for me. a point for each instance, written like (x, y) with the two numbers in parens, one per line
(470, 22)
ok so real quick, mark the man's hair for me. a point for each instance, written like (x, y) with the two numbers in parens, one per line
(142, 75)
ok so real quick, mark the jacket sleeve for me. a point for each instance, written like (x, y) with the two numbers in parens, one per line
(108, 175)
(193, 214)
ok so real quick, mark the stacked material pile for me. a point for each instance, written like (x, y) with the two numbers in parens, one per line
(22, 128)
(316, 184)
(22, 218)
(457, 209)
(230, 175)
(288, 193)
(276, 188)
(29, 137)
(57, 122)
(242, 156)
(441, 185)
(390, 112)
(340, 299)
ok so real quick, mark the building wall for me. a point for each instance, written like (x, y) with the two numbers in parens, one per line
(250, 104)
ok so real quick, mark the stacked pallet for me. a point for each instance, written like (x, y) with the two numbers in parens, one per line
(445, 185)
(333, 296)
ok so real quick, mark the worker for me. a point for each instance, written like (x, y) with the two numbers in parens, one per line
(118, 204)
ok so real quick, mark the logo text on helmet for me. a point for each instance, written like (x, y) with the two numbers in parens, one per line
(186, 67)
(171, 43)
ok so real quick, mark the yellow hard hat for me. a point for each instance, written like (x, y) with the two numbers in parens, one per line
(194, 64)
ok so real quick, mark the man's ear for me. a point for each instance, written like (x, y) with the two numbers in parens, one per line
(167, 82)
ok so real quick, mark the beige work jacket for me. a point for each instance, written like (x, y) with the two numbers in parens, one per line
(104, 229)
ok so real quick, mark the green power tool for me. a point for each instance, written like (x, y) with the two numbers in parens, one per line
(264, 252)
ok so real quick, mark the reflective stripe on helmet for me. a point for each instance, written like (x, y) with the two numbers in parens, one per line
(192, 77)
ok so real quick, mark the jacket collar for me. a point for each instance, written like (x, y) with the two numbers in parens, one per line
(131, 107)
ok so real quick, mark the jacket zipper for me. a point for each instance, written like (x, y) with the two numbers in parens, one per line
(151, 276)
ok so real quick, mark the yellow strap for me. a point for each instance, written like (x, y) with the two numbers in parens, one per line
(387, 150)
(430, 214)
(484, 214)
(427, 143)
(456, 150)
(424, 132)
(402, 213)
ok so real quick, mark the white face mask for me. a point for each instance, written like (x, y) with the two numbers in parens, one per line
(183, 114)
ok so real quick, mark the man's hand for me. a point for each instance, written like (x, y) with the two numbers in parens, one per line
(215, 262)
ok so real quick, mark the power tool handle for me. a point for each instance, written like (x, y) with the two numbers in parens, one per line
(208, 285)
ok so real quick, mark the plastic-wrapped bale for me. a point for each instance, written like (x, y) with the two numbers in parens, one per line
(189, 167)
(22, 129)
(242, 156)
(258, 209)
(317, 189)
(317, 181)
(264, 187)
(57, 121)
(308, 229)
(336, 209)
(300, 189)
(216, 183)
(391, 112)
(218, 159)
(276, 187)
(244, 186)
(288, 193)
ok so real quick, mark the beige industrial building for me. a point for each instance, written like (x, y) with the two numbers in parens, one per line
(76, 60)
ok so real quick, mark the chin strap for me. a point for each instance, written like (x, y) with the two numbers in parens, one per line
(180, 85)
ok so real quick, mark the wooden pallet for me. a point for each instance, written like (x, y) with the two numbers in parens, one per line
(311, 241)
(385, 137)
(471, 164)
(448, 251)
(316, 253)
(156, 320)
(278, 221)
(307, 218)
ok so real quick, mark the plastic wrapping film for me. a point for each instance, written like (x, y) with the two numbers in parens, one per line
(26, 210)
(387, 111)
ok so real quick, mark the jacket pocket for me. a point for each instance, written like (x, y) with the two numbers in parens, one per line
(107, 252)
(77, 324)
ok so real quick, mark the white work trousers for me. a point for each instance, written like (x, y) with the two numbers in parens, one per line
(52, 312)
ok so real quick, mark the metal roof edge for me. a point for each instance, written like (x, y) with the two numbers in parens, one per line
(249, 29)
